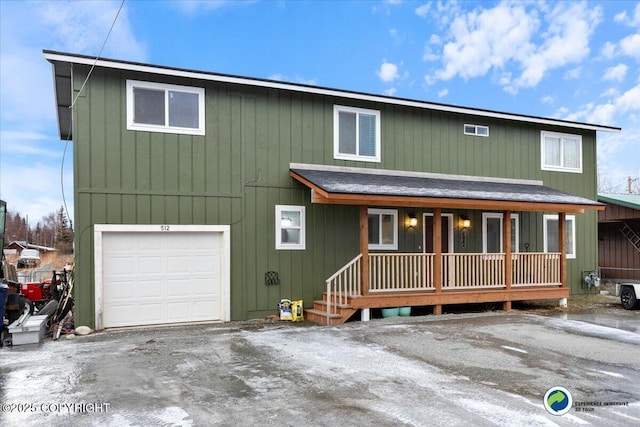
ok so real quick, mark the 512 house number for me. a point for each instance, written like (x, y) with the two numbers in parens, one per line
(165, 228)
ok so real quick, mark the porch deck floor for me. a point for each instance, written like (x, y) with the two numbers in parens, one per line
(451, 296)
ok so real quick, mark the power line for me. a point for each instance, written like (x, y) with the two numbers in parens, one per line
(84, 83)
(99, 54)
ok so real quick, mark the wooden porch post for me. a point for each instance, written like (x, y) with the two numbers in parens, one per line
(437, 260)
(506, 236)
(364, 250)
(562, 245)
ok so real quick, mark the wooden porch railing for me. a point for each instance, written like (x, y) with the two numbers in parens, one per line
(400, 272)
(535, 269)
(343, 284)
(414, 272)
(462, 271)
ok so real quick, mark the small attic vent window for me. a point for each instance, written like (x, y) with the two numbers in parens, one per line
(476, 130)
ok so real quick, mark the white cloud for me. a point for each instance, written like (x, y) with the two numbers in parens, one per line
(608, 50)
(547, 100)
(609, 112)
(81, 27)
(193, 7)
(442, 93)
(388, 72)
(509, 34)
(633, 21)
(630, 100)
(630, 46)
(423, 11)
(428, 55)
(616, 73)
(391, 91)
(486, 39)
(610, 93)
(620, 17)
(573, 74)
(566, 41)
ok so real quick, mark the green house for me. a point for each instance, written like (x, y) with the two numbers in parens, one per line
(208, 197)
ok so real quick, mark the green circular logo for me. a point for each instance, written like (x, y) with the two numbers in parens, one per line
(558, 400)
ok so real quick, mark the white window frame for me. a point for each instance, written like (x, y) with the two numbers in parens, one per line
(561, 167)
(131, 125)
(279, 227)
(382, 246)
(514, 217)
(337, 109)
(475, 130)
(571, 251)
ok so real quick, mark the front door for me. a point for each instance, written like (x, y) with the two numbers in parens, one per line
(446, 243)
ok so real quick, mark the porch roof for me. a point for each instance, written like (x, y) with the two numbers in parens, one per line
(379, 187)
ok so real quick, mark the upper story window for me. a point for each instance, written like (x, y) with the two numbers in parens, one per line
(158, 107)
(356, 134)
(561, 152)
(476, 130)
(383, 228)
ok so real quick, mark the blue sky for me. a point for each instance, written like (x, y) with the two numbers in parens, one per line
(571, 60)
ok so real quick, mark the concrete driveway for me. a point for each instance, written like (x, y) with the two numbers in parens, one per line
(450, 370)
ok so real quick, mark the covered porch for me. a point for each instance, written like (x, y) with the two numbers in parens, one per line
(437, 277)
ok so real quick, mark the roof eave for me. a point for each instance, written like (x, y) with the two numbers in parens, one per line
(618, 202)
(320, 196)
(54, 56)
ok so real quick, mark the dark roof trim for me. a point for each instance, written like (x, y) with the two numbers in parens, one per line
(61, 58)
(374, 187)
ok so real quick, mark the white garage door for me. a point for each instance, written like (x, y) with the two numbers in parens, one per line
(161, 277)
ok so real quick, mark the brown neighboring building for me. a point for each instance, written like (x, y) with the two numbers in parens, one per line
(619, 237)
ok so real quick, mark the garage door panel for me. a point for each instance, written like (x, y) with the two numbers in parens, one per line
(201, 288)
(177, 264)
(150, 264)
(150, 289)
(119, 265)
(122, 290)
(151, 242)
(179, 312)
(155, 278)
(151, 311)
(201, 309)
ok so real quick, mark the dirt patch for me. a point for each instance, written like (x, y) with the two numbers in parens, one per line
(595, 303)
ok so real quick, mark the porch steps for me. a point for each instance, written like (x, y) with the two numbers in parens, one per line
(318, 313)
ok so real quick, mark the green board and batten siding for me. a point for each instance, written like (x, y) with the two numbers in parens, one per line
(239, 171)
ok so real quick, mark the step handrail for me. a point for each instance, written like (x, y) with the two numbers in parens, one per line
(331, 280)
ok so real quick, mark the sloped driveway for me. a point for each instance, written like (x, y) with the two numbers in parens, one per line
(454, 370)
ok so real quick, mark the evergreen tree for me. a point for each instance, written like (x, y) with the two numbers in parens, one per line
(64, 234)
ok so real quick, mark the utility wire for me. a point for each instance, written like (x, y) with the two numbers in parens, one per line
(99, 54)
(86, 80)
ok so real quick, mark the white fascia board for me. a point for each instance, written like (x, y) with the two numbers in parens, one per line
(176, 72)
